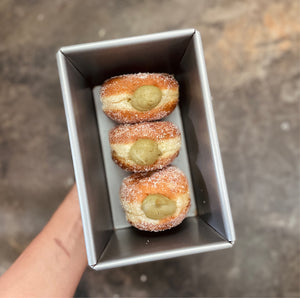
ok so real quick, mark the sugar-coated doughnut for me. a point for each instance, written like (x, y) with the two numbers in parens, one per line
(145, 146)
(140, 97)
(156, 201)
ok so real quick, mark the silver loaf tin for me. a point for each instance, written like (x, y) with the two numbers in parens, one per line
(110, 240)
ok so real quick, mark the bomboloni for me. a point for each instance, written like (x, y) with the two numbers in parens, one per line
(156, 201)
(141, 97)
(145, 146)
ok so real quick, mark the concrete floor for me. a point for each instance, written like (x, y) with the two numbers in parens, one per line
(252, 56)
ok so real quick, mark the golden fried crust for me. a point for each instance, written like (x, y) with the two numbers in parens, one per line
(116, 92)
(170, 182)
(129, 83)
(164, 224)
(152, 130)
(159, 164)
(165, 134)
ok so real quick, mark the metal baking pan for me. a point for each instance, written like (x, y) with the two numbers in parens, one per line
(110, 240)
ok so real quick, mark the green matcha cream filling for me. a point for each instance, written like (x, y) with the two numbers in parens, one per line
(145, 98)
(157, 206)
(144, 152)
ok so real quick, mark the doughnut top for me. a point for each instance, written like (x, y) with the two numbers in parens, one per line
(130, 82)
(169, 182)
(129, 133)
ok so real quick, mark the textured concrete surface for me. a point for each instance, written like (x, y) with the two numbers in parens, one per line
(252, 55)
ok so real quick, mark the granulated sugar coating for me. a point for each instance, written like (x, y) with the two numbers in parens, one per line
(153, 130)
(116, 94)
(170, 182)
(165, 134)
(130, 166)
(128, 83)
